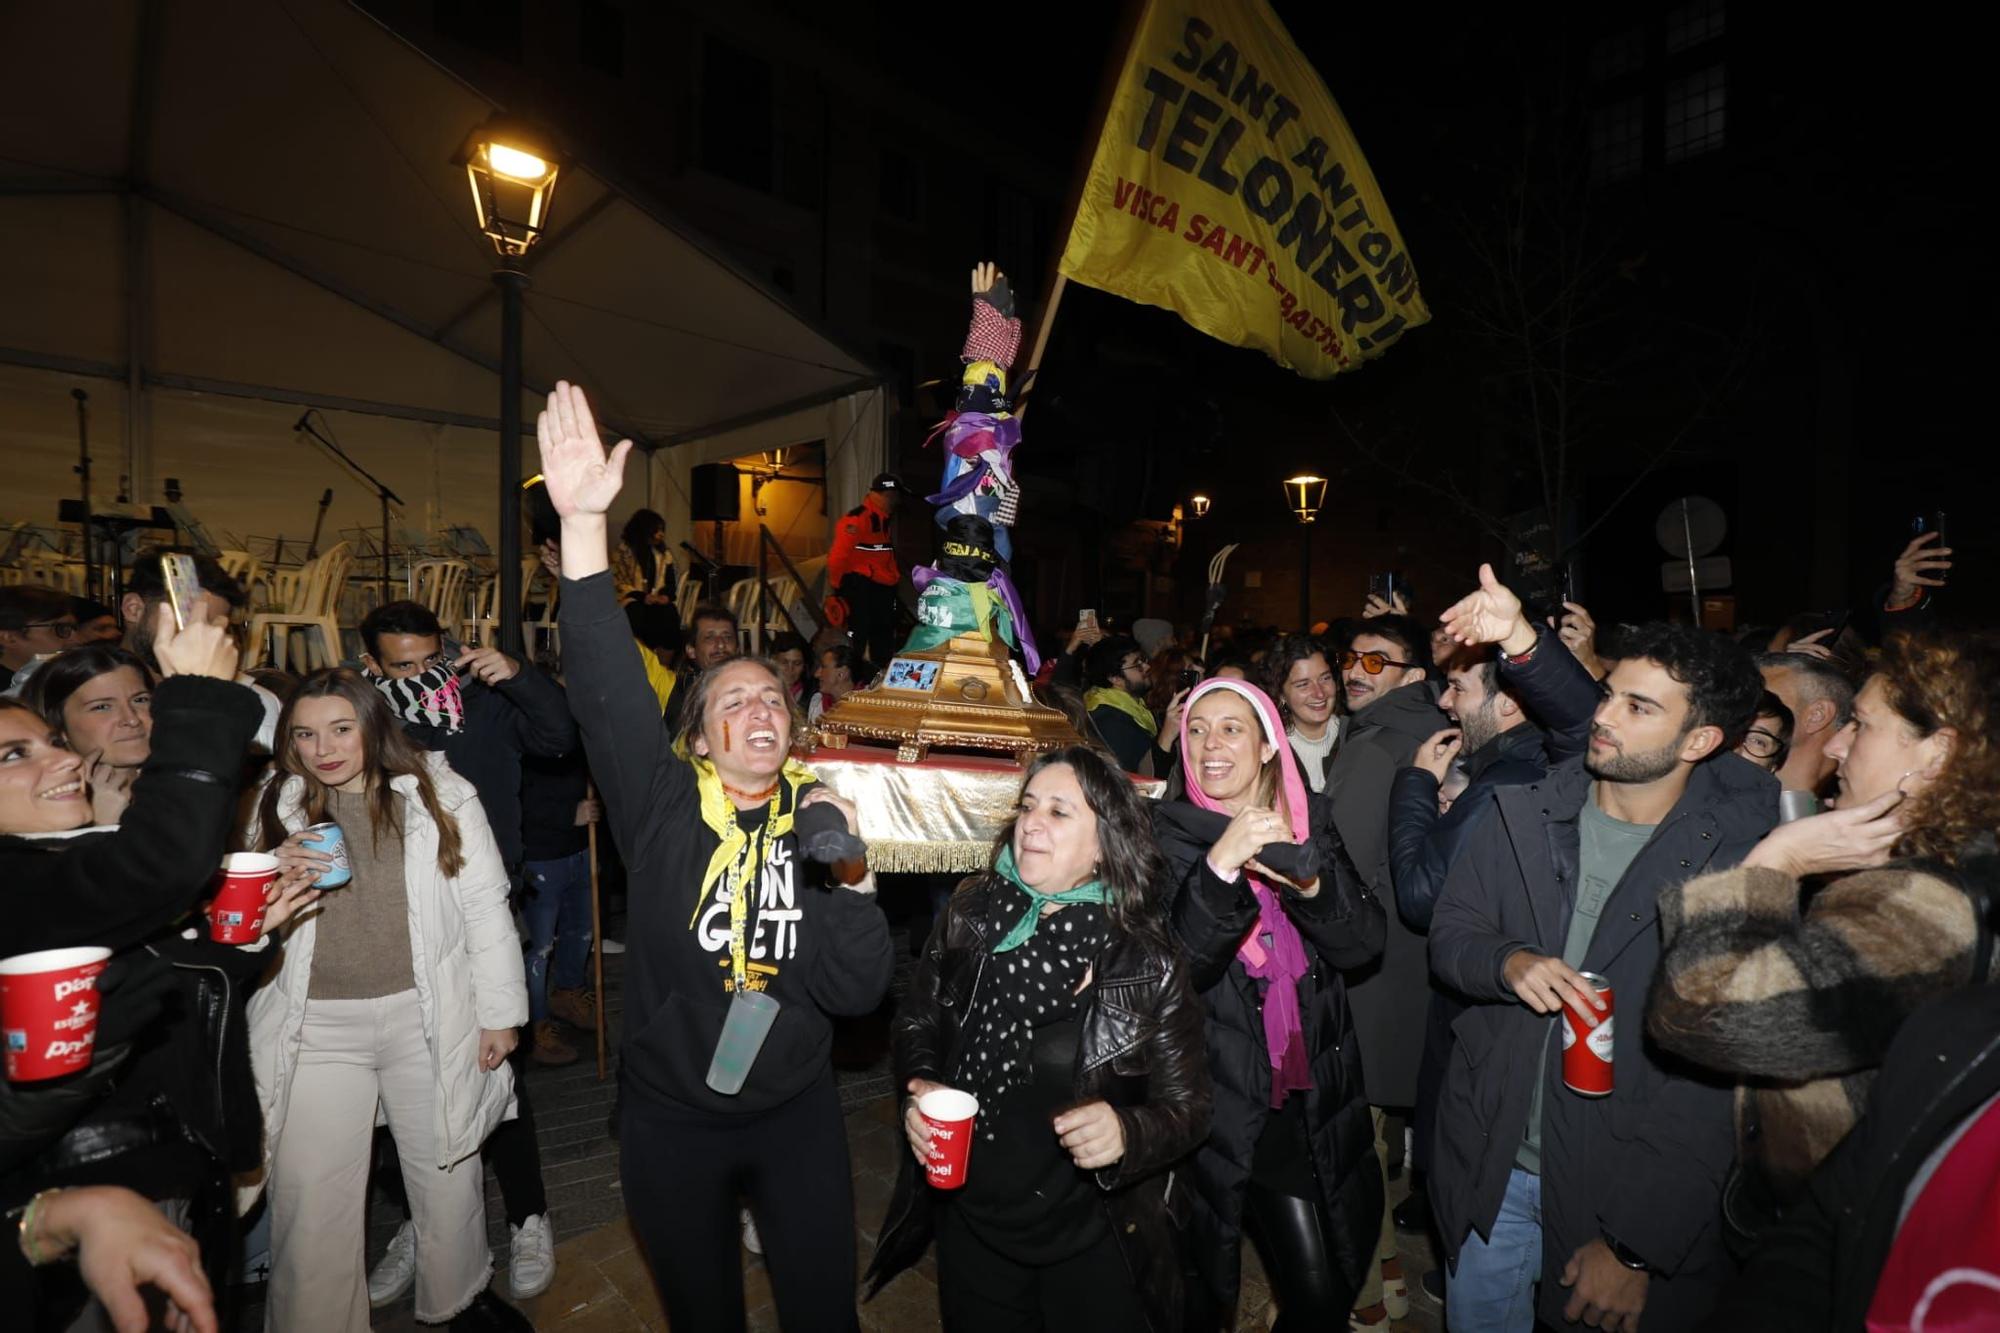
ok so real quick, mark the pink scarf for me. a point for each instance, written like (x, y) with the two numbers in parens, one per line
(1271, 950)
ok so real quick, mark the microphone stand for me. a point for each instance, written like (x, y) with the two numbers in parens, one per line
(382, 492)
(83, 471)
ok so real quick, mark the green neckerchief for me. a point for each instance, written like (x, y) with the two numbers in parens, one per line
(949, 607)
(1092, 891)
(1110, 696)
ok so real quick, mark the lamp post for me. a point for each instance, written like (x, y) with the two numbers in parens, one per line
(513, 176)
(1199, 504)
(1305, 493)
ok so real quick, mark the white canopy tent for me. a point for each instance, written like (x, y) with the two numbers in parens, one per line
(217, 213)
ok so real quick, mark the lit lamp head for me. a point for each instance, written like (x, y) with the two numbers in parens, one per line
(513, 174)
(1199, 504)
(1305, 493)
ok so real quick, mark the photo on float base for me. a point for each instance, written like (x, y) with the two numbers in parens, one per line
(911, 673)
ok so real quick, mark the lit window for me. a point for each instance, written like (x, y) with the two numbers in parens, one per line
(1620, 53)
(1692, 24)
(1696, 107)
(1617, 140)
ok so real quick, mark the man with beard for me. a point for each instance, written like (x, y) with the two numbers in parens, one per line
(713, 637)
(1612, 1202)
(220, 598)
(1495, 744)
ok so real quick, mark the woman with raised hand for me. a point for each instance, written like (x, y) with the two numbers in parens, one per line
(1051, 991)
(726, 915)
(402, 991)
(1270, 908)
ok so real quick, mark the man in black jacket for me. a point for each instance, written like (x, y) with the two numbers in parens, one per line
(1501, 745)
(508, 710)
(1117, 678)
(1612, 1202)
(1823, 1266)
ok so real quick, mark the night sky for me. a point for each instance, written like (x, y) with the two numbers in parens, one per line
(1802, 314)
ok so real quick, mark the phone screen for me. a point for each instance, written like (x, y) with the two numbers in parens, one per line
(183, 586)
(1087, 617)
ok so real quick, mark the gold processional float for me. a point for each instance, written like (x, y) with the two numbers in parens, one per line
(957, 683)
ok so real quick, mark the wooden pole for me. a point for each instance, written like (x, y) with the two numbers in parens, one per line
(597, 938)
(1042, 328)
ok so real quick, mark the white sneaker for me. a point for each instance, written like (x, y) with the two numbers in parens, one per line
(397, 1271)
(531, 1257)
(751, 1240)
(613, 946)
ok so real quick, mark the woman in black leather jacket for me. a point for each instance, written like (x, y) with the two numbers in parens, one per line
(1290, 1151)
(1051, 991)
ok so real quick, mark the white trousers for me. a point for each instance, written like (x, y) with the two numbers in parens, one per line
(356, 1055)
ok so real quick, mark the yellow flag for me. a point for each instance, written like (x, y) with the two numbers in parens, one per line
(1228, 189)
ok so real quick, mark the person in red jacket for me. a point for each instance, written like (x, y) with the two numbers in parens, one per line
(862, 569)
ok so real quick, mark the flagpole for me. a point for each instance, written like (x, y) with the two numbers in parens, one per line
(1130, 14)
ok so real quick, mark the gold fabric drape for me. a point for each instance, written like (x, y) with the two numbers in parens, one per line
(939, 816)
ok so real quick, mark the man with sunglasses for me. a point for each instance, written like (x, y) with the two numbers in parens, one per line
(34, 622)
(1386, 675)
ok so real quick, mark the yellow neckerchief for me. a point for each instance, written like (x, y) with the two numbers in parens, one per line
(982, 608)
(738, 857)
(658, 675)
(1126, 703)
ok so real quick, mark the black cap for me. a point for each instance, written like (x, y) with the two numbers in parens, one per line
(886, 481)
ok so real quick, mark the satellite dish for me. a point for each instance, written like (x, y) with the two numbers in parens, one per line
(1691, 526)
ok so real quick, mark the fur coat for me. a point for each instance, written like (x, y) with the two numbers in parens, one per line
(1797, 995)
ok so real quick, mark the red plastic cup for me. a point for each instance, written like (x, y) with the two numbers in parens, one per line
(237, 914)
(48, 1011)
(1586, 1050)
(950, 1114)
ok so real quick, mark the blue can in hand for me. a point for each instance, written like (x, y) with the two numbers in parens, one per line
(328, 840)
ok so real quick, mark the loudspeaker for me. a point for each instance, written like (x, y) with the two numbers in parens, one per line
(713, 494)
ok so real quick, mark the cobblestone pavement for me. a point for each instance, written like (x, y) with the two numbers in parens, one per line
(601, 1281)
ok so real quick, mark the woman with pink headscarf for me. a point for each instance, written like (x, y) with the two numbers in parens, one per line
(1269, 909)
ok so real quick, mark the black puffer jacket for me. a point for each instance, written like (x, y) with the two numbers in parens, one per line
(1140, 1049)
(1342, 926)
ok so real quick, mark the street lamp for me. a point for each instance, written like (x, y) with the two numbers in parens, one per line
(513, 174)
(512, 171)
(1305, 493)
(1200, 505)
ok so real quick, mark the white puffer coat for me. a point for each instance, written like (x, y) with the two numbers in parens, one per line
(464, 953)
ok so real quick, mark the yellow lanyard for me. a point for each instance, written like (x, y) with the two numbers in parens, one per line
(745, 884)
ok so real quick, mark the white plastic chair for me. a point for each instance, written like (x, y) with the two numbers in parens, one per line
(307, 599)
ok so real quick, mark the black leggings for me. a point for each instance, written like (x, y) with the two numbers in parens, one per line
(683, 1171)
(1291, 1237)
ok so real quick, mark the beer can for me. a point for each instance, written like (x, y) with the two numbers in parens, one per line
(1587, 1050)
